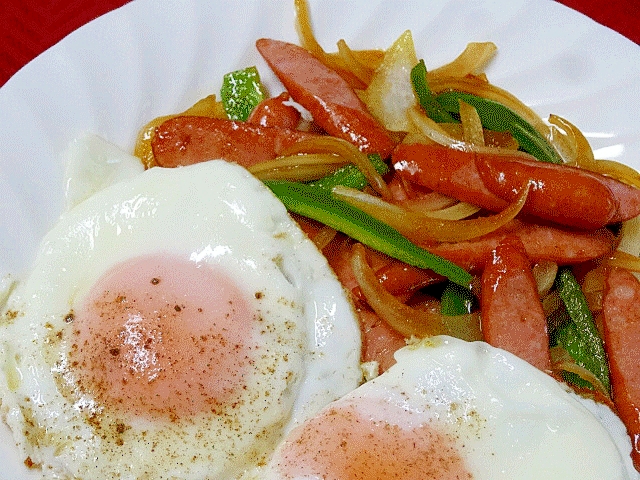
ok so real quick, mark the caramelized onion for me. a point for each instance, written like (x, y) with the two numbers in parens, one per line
(616, 170)
(303, 167)
(472, 59)
(593, 288)
(420, 227)
(458, 211)
(347, 151)
(623, 260)
(551, 303)
(406, 320)
(324, 236)
(430, 129)
(472, 130)
(481, 88)
(561, 361)
(333, 61)
(582, 154)
(447, 135)
(629, 238)
(350, 59)
(545, 275)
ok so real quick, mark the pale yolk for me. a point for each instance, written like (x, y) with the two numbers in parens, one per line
(163, 336)
(343, 444)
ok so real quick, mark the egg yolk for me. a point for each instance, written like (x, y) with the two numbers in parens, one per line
(345, 444)
(163, 336)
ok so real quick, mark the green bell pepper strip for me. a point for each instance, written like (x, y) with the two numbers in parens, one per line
(569, 338)
(319, 204)
(427, 100)
(580, 336)
(495, 116)
(241, 92)
(456, 300)
(350, 175)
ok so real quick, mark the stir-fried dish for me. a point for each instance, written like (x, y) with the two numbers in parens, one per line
(444, 204)
(379, 271)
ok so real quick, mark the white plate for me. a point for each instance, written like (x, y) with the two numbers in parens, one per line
(154, 57)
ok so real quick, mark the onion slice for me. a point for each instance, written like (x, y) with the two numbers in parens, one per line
(353, 63)
(623, 260)
(545, 275)
(481, 88)
(472, 59)
(347, 151)
(444, 134)
(561, 361)
(324, 237)
(472, 130)
(420, 227)
(408, 321)
(301, 168)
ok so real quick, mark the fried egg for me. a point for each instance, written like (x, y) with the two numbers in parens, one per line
(450, 409)
(175, 324)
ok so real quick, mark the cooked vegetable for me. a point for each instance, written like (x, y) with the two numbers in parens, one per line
(581, 339)
(351, 176)
(428, 102)
(420, 227)
(319, 204)
(390, 93)
(338, 146)
(405, 319)
(241, 92)
(456, 300)
(496, 116)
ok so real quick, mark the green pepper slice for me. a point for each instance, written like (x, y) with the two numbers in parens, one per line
(495, 116)
(456, 300)
(241, 92)
(350, 175)
(427, 100)
(580, 336)
(319, 204)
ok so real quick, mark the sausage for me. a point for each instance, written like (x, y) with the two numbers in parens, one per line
(541, 242)
(331, 101)
(445, 170)
(274, 112)
(621, 325)
(512, 315)
(186, 140)
(561, 194)
(379, 340)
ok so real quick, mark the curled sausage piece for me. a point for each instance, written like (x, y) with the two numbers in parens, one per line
(275, 112)
(328, 97)
(561, 194)
(185, 140)
(621, 322)
(512, 315)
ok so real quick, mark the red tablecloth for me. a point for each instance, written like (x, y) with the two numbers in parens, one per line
(30, 27)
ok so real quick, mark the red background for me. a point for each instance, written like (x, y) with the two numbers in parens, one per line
(27, 28)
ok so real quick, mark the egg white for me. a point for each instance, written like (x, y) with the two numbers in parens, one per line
(506, 420)
(215, 213)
